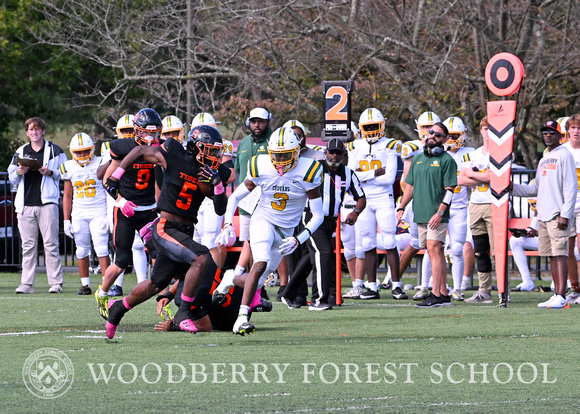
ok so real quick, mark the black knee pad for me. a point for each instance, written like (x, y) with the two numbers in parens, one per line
(481, 247)
(122, 258)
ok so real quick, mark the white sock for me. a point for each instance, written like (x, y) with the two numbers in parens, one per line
(86, 281)
(239, 270)
(372, 286)
(119, 281)
(102, 293)
(244, 310)
(396, 284)
(226, 283)
(358, 283)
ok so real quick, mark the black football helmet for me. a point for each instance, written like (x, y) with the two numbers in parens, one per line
(204, 143)
(148, 126)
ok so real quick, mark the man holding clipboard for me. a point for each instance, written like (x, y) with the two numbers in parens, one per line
(34, 172)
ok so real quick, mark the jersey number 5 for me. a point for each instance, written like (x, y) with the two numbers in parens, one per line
(185, 195)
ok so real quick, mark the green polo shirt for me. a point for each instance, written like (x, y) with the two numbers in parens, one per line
(429, 176)
(247, 148)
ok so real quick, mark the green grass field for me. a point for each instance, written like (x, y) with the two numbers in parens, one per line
(374, 357)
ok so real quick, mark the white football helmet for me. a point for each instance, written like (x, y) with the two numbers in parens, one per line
(125, 127)
(562, 129)
(82, 142)
(456, 129)
(426, 120)
(295, 123)
(284, 149)
(355, 130)
(372, 125)
(203, 118)
(172, 123)
(228, 148)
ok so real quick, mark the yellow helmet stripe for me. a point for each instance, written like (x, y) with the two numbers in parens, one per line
(127, 119)
(281, 137)
(450, 122)
(80, 138)
(370, 115)
(430, 115)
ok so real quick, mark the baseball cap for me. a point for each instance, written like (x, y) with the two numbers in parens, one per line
(335, 144)
(261, 113)
(553, 125)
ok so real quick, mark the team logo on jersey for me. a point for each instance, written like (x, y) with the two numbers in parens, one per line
(435, 163)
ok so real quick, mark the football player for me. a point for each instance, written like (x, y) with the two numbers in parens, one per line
(374, 158)
(125, 130)
(209, 223)
(85, 196)
(135, 196)
(173, 128)
(287, 182)
(191, 174)
(457, 227)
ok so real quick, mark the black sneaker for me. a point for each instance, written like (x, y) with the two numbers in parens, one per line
(319, 306)
(264, 306)
(446, 300)
(116, 291)
(399, 294)
(370, 294)
(292, 304)
(432, 301)
(301, 300)
(85, 290)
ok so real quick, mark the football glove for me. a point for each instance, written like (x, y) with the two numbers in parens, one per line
(68, 229)
(289, 244)
(127, 207)
(227, 236)
(208, 176)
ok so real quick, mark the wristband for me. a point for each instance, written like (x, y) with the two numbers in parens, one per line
(304, 235)
(166, 295)
(357, 211)
(447, 197)
(118, 173)
(219, 189)
(401, 209)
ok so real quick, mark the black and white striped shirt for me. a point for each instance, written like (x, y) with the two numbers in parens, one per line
(334, 186)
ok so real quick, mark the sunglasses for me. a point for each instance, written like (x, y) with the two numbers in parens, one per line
(549, 132)
(335, 152)
(437, 134)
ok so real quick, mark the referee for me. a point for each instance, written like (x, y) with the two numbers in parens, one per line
(337, 180)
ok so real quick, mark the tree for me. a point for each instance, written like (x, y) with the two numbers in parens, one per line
(404, 56)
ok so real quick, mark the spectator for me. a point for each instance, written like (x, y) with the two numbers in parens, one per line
(557, 182)
(430, 182)
(36, 204)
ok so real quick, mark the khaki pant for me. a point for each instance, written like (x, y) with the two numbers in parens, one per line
(46, 219)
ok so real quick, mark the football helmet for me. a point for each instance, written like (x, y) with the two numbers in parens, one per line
(125, 127)
(203, 118)
(82, 142)
(284, 149)
(204, 143)
(562, 129)
(172, 123)
(228, 148)
(295, 123)
(372, 125)
(148, 126)
(426, 120)
(456, 128)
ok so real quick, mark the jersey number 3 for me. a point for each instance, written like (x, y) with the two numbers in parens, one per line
(280, 201)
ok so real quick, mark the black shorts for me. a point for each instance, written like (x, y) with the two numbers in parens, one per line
(175, 251)
(124, 232)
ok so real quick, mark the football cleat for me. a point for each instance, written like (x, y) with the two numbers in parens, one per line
(244, 328)
(217, 298)
(399, 294)
(85, 290)
(116, 291)
(166, 313)
(102, 303)
(187, 325)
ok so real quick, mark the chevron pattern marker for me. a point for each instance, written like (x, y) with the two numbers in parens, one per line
(504, 74)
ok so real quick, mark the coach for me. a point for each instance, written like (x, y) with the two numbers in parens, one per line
(431, 180)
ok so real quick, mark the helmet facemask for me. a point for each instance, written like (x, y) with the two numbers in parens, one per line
(83, 160)
(284, 160)
(148, 135)
(372, 131)
(209, 154)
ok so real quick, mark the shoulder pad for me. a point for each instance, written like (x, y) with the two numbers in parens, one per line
(351, 145)
(314, 170)
(466, 157)
(63, 168)
(254, 166)
(412, 145)
(395, 145)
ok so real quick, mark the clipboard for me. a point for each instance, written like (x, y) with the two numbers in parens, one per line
(31, 163)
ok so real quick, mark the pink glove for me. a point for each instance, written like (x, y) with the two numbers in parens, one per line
(127, 207)
(146, 232)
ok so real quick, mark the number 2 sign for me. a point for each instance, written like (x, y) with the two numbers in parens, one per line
(337, 109)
